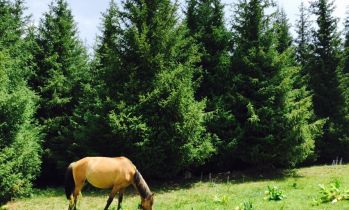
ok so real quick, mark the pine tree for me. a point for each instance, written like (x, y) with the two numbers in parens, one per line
(324, 81)
(343, 74)
(61, 72)
(157, 116)
(205, 21)
(109, 45)
(273, 109)
(102, 93)
(303, 39)
(345, 70)
(19, 133)
(346, 44)
(283, 35)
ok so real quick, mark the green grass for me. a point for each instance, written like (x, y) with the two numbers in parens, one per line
(300, 190)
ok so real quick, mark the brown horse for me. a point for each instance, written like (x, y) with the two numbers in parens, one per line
(105, 173)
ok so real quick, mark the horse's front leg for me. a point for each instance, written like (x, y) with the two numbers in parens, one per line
(111, 197)
(121, 195)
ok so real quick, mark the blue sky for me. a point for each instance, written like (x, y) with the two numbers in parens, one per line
(87, 13)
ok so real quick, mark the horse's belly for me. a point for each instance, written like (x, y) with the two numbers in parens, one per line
(100, 180)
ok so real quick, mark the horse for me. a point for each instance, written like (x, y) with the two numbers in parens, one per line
(105, 173)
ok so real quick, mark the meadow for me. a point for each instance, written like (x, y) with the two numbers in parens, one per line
(299, 190)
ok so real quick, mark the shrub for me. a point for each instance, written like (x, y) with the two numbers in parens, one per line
(274, 194)
(333, 193)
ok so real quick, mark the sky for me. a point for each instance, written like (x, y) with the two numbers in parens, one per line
(87, 13)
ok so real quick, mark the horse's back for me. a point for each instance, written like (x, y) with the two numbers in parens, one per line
(105, 172)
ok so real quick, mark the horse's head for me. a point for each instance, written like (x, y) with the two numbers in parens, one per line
(147, 203)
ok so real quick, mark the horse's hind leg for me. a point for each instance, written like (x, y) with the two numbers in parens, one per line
(71, 203)
(74, 199)
(77, 192)
(121, 195)
(111, 197)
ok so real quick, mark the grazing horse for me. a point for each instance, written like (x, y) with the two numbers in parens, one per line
(105, 173)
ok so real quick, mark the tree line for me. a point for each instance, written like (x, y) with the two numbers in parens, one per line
(172, 91)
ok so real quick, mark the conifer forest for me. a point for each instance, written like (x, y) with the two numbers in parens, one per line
(175, 86)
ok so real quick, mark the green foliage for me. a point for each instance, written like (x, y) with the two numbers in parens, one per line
(108, 74)
(281, 27)
(214, 44)
(19, 145)
(19, 134)
(171, 95)
(303, 39)
(205, 21)
(343, 75)
(324, 82)
(332, 193)
(248, 66)
(299, 115)
(149, 104)
(59, 78)
(90, 121)
(274, 194)
(273, 106)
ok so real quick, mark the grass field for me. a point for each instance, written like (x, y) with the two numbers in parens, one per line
(301, 190)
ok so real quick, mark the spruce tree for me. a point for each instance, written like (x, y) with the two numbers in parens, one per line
(303, 39)
(19, 133)
(345, 69)
(283, 36)
(346, 44)
(274, 111)
(102, 93)
(205, 21)
(346, 30)
(61, 72)
(343, 74)
(328, 101)
(107, 51)
(156, 115)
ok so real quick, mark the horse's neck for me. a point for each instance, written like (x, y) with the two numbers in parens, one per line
(141, 185)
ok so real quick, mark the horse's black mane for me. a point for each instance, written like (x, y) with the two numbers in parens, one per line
(141, 185)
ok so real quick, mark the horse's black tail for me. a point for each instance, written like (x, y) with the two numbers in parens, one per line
(69, 181)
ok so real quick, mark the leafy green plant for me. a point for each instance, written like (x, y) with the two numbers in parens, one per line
(274, 194)
(221, 200)
(295, 185)
(333, 193)
(245, 206)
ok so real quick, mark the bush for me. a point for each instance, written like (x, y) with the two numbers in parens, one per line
(274, 194)
(333, 193)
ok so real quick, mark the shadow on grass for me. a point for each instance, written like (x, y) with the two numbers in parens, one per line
(232, 178)
(160, 187)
